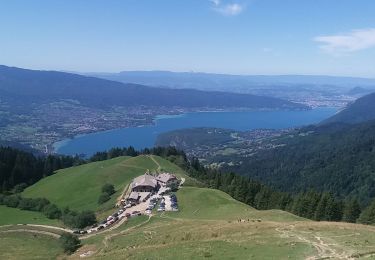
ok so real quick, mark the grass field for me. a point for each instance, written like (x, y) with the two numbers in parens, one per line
(79, 187)
(207, 225)
(10, 216)
(203, 203)
(28, 246)
(199, 239)
(165, 238)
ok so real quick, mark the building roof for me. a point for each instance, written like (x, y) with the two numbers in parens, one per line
(133, 196)
(165, 177)
(144, 180)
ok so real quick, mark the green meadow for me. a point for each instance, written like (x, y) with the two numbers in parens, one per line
(209, 223)
(19, 246)
(79, 187)
(204, 203)
(11, 216)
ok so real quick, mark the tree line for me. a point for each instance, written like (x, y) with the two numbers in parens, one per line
(19, 169)
(69, 217)
(315, 205)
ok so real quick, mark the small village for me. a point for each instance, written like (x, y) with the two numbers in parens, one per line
(145, 194)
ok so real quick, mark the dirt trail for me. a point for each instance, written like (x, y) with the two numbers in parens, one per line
(324, 250)
(51, 227)
(124, 193)
(110, 236)
(115, 226)
(31, 231)
(156, 162)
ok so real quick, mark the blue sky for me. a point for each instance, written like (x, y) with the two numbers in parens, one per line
(332, 37)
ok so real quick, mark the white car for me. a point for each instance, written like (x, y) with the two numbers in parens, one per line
(148, 212)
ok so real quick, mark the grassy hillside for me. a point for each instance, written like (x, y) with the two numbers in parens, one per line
(28, 246)
(16, 216)
(79, 187)
(206, 226)
(200, 239)
(203, 203)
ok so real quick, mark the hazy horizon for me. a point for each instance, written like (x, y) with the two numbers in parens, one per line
(238, 37)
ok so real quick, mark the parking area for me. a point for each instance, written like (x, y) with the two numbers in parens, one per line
(147, 194)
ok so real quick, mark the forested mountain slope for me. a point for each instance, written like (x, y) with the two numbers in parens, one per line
(363, 109)
(336, 158)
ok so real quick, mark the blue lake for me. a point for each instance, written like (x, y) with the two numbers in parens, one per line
(145, 136)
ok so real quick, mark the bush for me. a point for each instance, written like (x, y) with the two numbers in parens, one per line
(11, 201)
(26, 204)
(85, 218)
(103, 198)
(173, 186)
(40, 204)
(51, 211)
(69, 242)
(78, 220)
(368, 215)
(2, 196)
(108, 188)
(19, 187)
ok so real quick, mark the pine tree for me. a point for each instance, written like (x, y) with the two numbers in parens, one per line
(352, 210)
(320, 212)
(368, 215)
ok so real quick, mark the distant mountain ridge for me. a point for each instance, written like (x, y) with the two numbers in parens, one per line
(30, 86)
(208, 81)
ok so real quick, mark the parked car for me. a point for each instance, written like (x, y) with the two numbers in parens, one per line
(100, 227)
(136, 213)
(148, 211)
(83, 232)
(127, 215)
(76, 232)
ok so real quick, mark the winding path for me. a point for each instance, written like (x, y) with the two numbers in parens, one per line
(324, 251)
(31, 231)
(156, 162)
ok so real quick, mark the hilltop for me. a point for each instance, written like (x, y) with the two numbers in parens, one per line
(79, 187)
(210, 223)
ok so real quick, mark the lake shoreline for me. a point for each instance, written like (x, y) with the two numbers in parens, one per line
(204, 117)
